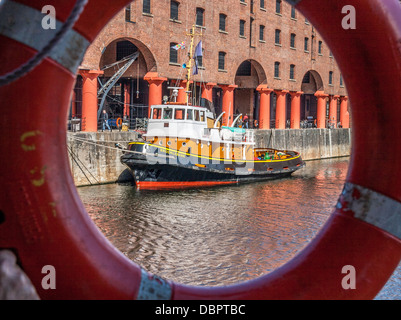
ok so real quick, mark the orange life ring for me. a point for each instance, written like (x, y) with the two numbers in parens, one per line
(119, 122)
(43, 220)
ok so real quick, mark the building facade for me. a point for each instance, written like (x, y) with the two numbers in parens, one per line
(259, 57)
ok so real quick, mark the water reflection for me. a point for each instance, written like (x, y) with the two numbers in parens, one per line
(220, 235)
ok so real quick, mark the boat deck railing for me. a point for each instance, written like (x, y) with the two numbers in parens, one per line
(237, 134)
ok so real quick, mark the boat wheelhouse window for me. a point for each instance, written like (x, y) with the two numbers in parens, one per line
(179, 114)
(190, 115)
(168, 114)
(202, 116)
(197, 115)
(157, 113)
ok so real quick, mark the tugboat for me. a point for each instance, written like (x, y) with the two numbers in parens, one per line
(185, 146)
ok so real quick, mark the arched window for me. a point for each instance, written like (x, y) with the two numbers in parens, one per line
(306, 78)
(124, 49)
(245, 69)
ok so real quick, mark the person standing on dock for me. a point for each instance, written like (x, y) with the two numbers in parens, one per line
(105, 123)
(246, 119)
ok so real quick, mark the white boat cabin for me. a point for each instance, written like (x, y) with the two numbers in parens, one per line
(193, 122)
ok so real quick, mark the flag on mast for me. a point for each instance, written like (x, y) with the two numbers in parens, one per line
(179, 46)
(198, 50)
(198, 53)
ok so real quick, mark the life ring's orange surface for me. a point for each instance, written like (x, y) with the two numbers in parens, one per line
(45, 223)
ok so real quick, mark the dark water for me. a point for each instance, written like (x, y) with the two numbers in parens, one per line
(221, 235)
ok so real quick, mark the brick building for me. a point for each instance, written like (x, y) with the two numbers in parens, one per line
(260, 57)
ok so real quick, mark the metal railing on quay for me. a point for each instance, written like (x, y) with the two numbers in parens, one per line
(76, 124)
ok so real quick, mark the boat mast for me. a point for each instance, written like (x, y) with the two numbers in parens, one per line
(190, 56)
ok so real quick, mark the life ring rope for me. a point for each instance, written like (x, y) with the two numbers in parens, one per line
(44, 221)
(46, 43)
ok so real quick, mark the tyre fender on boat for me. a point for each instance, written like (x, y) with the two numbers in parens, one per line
(43, 221)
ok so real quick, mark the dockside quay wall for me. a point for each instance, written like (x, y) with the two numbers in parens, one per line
(94, 158)
(312, 144)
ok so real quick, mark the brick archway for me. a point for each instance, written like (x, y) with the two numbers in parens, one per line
(249, 75)
(130, 94)
(312, 82)
(146, 60)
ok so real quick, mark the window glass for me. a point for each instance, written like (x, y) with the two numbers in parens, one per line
(168, 113)
(262, 33)
(292, 40)
(242, 28)
(146, 6)
(174, 10)
(200, 16)
(128, 13)
(179, 114)
(222, 58)
(190, 115)
(157, 113)
(277, 69)
(306, 44)
(331, 77)
(293, 13)
(197, 115)
(124, 49)
(222, 22)
(202, 116)
(277, 37)
(292, 72)
(278, 6)
(173, 53)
